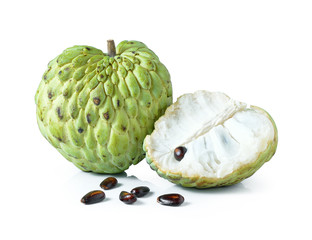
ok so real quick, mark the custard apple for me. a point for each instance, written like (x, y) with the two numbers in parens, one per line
(96, 108)
(206, 139)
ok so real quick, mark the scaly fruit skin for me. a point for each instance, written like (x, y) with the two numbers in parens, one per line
(96, 110)
(234, 177)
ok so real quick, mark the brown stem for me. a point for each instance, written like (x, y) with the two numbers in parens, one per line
(111, 50)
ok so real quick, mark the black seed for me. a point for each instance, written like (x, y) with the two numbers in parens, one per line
(80, 130)
(173, 199)
(140, 191)
(88, 118)
(58, 110)
(60, 72)
(50, 95)
(93, 197)
(127, 198)
(88, 48)
(106, 115)
(133, 52)
(179, 153)
(108, 183)
(118, 103)
(96, 100)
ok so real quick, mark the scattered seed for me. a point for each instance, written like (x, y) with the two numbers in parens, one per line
(127, 198)
(179, 153)
(140, 191)
(93, 197)
(108, 183)
(172, 199)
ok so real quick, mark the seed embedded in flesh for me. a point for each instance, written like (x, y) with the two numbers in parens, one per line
(108, 183)
(172, 199)
(140, 191)
(179, 153)
(93, 197)
(127, 198)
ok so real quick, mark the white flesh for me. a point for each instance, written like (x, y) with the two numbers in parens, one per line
(220, 135)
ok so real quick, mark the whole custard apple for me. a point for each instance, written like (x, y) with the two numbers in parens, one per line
(96, 108)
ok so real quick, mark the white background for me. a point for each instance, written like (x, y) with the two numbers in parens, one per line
(259, 52)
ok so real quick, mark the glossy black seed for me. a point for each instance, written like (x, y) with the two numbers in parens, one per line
(140, 191)
(108, 183)
(172, 199)
(127, 198)
(93, 197)
(179, 153)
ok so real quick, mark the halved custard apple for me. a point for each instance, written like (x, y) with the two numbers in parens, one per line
(207, 139)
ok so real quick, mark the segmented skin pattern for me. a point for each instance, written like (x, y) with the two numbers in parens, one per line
(96, 110)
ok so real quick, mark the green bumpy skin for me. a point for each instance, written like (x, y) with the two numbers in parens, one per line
(96, 110)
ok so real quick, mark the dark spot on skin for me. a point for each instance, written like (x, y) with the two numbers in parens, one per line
(96, 100)
(50, 95)
(88, 118)
(104, 156)
(88, 48)
(101, 76)
(123, 128)
(65, 93)
(133, 52)
(60, 72)
(131, 42)
(45, 77)
(58, 110)
(118, 57)
(80, 130)
(60, 139)
(57, 61)
(148, 104)
(133, 159)
(106, 115)
(67, 69)
(117, 103)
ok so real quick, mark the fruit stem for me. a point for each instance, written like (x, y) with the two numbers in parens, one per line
(111, 50)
